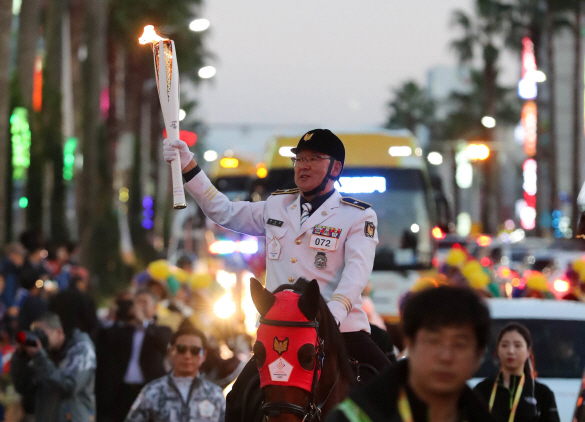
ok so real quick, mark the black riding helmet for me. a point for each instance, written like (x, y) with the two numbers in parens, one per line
(326, 142)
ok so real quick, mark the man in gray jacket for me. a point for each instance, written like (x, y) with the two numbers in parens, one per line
(64, 385)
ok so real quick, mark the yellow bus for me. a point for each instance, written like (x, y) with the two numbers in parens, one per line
(384, 168)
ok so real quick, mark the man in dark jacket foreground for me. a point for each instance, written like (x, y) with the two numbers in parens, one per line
(446, 330)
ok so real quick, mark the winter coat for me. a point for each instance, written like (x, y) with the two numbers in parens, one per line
(64, 391)
(161, 401)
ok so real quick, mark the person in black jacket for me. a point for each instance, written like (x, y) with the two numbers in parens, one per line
(131, 353)
(514, 394)
(75, 306)
(445, 331)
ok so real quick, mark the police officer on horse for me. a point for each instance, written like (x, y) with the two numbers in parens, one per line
(311, 231)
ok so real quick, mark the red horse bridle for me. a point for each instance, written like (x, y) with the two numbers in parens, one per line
(312, 412)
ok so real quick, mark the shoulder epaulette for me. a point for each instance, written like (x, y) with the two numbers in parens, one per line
(285, 191)
(355, 203)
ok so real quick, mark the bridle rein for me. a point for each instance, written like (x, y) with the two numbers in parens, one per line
(313, 411)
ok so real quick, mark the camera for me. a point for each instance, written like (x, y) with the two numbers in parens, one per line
(29, 338)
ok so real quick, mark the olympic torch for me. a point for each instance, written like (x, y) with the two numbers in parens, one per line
(167, 83)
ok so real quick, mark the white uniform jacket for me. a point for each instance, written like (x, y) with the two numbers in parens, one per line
(335, 246)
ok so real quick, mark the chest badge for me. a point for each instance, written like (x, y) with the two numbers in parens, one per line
(320, 260)
(274, 248)
(206, 408)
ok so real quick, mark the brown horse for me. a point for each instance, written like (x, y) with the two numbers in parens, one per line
(323, 373)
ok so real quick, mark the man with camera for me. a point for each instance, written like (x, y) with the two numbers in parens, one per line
(59, 371)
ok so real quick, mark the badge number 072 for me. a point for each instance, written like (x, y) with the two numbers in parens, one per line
(323, 242)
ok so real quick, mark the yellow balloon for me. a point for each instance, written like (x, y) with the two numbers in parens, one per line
(200, 281)
(456, 258)
(470, 268)
(579, 266)
(537, 281)
(582, 275)
(159, 270)
(180, 274)
(423, 284)
(479, 280)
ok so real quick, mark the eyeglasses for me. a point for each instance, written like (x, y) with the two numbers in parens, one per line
(310, 160)
(182, 349)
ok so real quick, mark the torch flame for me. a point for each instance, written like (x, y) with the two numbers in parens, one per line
(149, 35)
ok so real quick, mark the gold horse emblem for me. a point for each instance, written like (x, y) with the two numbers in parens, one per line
(280, 346)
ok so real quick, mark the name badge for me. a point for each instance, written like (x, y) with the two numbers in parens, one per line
(324, 243)
(274, 248)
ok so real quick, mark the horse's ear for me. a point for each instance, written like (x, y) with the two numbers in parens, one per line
(262, 298)
(309, 300)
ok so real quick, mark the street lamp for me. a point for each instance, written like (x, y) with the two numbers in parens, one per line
(199, 25)
(210, 155)
(435, 158)
(207, 72)
(488, 122)
(477, 152)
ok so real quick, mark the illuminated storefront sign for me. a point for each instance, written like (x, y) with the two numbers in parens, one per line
(528, 211)
(528, 122)
(527, 88)
(366, 184)
(20, 136)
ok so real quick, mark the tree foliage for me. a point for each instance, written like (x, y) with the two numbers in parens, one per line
(468, 109)
(170, 19)
(411, 105)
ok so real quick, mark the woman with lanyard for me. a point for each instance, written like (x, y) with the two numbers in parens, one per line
(514, 395)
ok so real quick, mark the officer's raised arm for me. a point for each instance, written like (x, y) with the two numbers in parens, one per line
(243, 216)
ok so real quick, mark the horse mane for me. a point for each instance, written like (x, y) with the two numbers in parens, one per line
(327, 330)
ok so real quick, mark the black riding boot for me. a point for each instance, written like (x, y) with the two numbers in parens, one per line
(361, 347)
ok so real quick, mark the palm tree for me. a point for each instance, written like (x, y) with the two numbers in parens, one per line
(410, 107)
(577, 111)
(29, 28)
(464, 121)
(6, 23)
(51, 118)
(113, 30)
(92, 126)
(483, 33)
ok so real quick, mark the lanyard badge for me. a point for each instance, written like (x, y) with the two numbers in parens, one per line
(514, 405)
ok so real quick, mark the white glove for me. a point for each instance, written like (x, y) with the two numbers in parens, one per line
(170, 148)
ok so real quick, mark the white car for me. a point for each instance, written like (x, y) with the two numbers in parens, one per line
(558, 335)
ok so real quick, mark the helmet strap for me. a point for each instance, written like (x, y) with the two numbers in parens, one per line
(321, 187)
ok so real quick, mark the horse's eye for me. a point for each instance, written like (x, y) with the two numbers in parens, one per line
(306, 356)
(259, 354)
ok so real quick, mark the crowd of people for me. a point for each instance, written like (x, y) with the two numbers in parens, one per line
(69, 365)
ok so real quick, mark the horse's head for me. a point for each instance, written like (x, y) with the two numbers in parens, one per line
(288, 349)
